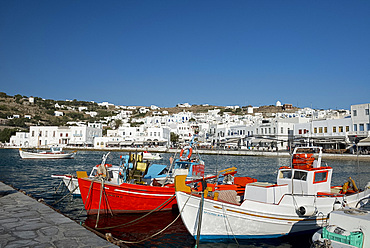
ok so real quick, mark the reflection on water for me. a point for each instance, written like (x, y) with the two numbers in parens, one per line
(34, 177)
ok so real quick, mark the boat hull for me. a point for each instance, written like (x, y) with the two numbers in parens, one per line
(223, 221)
(34, 155)
(125, 198)
(70, 182)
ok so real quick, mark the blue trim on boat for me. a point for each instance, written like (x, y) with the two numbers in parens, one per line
(221, 238)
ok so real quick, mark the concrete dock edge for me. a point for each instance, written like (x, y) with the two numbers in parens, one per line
(25, 222)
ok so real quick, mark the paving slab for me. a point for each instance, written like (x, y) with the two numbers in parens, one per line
(25, 222)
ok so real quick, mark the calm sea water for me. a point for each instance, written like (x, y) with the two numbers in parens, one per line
(34, 177)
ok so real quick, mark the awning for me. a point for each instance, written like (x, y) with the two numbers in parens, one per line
(112, 143)
(139, 142)
(364, 142)
(257, 141)
(126, 143)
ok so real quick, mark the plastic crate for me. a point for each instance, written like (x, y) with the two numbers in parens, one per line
(355, 238)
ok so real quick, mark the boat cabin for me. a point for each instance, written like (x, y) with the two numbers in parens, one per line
(189, 167)
(305, 176)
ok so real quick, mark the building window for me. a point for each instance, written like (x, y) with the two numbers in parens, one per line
(354, 112)
(300, 131)
(361, 126)
(334, 129)
(315, 130)
(341, 129)
(325, 129)
(46, 133)
(53, 133)
(368, 126)
(347, 128)
(355, 127)
(33, 134)
(366, 111)
(320, 129)
(282, 130)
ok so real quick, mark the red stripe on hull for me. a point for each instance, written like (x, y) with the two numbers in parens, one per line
(125, 198)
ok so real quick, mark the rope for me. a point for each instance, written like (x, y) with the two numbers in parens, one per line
(151, 236)
(101, 194)
(70, 193)
(138, 219)
(56, 191)
(87, 197)
(227, 219)
(200, 214)
(107, 202)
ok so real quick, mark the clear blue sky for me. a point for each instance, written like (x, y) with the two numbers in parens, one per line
(307, 53)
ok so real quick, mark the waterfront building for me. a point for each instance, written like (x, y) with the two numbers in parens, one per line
(45, 136)
(274, 133)
(360, 121)
(20, 139)
(328, 133)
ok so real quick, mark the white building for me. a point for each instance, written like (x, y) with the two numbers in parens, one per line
(58, 113)
(45, 136)
(329, 133)
(361, 120)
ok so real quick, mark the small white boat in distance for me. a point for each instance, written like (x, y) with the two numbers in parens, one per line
(300, 201)
(53, 153)
(347, 228)
(150, 156)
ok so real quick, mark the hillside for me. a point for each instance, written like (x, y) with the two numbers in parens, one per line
(19, 112)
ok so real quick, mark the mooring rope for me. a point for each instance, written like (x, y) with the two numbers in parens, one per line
(101, 194)
(70, 193)
(138, 219)
(151, 236)
(87, 197)
(228, 222)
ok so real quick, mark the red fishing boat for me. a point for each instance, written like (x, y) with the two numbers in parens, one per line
(137, 192)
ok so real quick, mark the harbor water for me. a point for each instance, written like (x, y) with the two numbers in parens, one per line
(34, 177)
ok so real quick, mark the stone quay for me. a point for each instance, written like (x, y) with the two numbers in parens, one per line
(26, 222)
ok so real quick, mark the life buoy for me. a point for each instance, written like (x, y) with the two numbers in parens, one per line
(186, 155)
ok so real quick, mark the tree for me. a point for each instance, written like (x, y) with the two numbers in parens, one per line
(174, 138)
(117, 123)
(6, 134)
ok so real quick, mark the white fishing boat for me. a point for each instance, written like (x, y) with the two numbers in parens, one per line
(348, 228)
(150, 156)
(71, 181)
(53, 153)
(300, 201)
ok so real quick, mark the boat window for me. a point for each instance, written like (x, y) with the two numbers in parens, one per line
(110, 174)
(286, 174)
(300, 175)
(320, 177)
